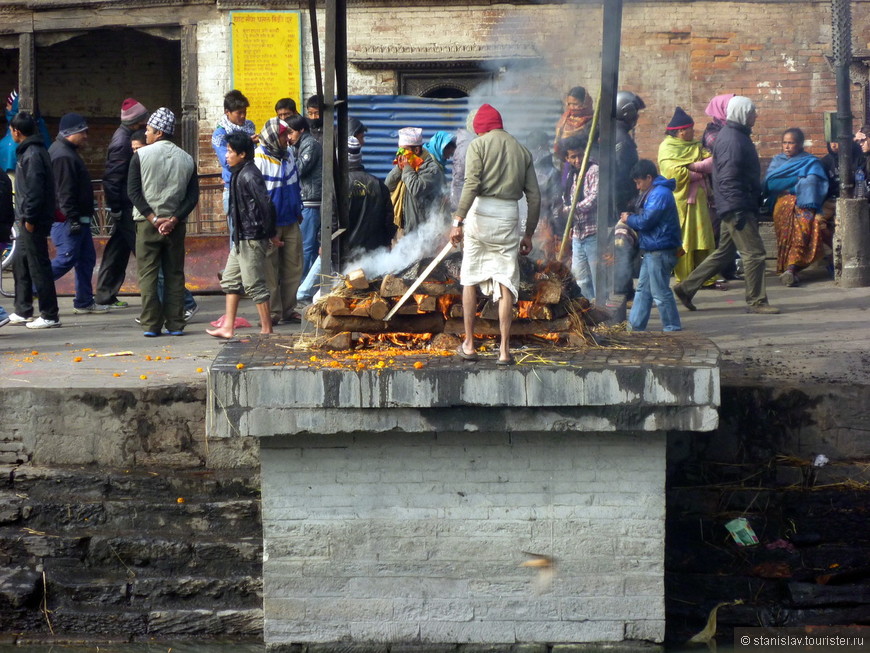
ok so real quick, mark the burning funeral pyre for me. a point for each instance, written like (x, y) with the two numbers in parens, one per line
(550, 307)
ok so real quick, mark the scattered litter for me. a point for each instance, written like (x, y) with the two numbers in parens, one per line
(742, 532)
(114, 353)
(781, 544)
(241, 322)
(821, 460)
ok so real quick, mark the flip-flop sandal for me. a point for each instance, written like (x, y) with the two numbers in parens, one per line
(464, 356)
(293, 317)
(507, 361)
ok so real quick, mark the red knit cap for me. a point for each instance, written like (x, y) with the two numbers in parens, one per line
(132, 110)
(487, 119)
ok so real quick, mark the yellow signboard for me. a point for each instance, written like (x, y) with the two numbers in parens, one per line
(266, 59)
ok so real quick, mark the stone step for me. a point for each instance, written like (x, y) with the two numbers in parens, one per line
(75, 587)
(176, 515)
(41, 482)
(119, 552)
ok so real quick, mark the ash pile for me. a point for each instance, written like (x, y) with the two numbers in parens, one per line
(550, 307)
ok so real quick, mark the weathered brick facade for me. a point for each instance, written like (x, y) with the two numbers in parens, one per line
(673, 52)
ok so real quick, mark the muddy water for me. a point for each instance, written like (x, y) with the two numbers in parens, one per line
(193, 647)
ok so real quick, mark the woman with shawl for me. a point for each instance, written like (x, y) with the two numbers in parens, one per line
(685, 160)
(577, 119)
(798, 184)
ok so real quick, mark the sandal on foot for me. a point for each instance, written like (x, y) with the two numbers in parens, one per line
(506, 361)
(465, 356)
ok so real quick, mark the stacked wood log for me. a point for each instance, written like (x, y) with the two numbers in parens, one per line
(549, 302)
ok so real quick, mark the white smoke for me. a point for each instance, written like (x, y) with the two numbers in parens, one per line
(425, 240)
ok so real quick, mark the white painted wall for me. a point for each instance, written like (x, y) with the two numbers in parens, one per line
(420, 537)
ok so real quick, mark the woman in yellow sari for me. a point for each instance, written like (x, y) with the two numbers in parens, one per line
(685, 160)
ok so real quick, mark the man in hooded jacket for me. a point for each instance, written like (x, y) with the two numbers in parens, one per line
(737, 191)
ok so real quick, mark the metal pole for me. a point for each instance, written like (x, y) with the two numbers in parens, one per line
(841, 20)
(328, 115)
(611, 37)
(342, 202)
(315, 49)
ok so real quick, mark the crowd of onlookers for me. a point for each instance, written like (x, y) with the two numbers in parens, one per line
(694, 215)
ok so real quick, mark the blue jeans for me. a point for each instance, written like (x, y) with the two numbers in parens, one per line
(309, 284)
(310, 237)
(75, 252)
(584, 263)
(654, 285)
(189, 301)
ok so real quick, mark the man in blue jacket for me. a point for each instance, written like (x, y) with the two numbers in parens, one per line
(659, 237)
(737, 191)
(74, 194)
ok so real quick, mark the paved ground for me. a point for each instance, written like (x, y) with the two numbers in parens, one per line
(821, 337)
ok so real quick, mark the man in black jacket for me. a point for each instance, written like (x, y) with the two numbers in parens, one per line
(626, 252)
(252, 220)
(74, 194)
(370, 212)
(122, 241)
(34, 212)
(7, 219)
(737, 191)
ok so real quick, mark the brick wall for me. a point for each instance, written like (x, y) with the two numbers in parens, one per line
(674, 53)
(400, 538)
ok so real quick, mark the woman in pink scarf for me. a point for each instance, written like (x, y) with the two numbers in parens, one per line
(717, 110)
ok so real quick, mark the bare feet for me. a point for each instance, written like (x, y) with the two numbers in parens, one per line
(220, 333)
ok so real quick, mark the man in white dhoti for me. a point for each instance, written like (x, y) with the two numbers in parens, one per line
(498, 172)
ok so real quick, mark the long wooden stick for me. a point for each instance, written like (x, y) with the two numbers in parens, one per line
(567, 235)
(410, 291)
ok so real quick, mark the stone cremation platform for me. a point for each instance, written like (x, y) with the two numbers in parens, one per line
(419, 498)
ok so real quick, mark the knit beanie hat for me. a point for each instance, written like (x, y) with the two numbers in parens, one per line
(163, 120)
(410, 136)
(681, 120)
(132, 111)
(487, 119)
(72, 123)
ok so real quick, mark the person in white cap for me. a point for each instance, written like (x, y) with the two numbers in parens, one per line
(415, 183)
(164, 190)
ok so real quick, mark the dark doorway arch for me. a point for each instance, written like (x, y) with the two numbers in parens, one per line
(445, 92)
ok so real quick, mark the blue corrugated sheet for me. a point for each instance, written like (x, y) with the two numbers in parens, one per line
(384, 115)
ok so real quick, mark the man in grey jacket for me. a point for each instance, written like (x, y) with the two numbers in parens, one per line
(737, 191)
(164, 189)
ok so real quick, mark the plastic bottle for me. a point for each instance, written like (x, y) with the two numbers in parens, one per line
(860, 183)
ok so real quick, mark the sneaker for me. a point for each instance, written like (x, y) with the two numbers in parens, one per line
(684, 297)
(93, 308)
(15, 319)
(764, 309)
(117, 304)
(190, 312)
(137, 320)
(42, 323)
(788, 279)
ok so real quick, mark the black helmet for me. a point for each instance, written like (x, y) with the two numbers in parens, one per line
(627, 107)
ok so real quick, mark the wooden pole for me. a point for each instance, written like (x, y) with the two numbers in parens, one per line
(583, 166)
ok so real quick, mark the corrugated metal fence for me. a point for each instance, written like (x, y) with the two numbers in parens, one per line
(384, 115)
